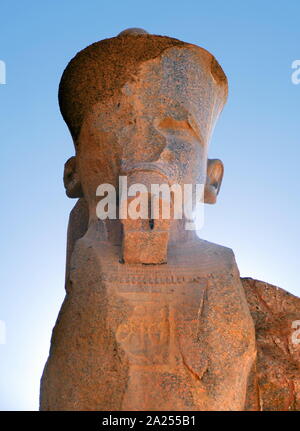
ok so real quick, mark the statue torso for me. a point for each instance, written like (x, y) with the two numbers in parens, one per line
(177, 336)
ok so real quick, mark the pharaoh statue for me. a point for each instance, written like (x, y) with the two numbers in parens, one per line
(154, 318)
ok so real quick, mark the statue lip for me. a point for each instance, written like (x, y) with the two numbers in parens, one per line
(146, 167)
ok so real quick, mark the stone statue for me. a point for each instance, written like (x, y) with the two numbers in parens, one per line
(154, 318)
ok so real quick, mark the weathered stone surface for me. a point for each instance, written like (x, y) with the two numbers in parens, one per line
(276, 385)
(169, 337)
(274, 382)
(154, 318)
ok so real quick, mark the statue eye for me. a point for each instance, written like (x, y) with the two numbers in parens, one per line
(170, 125)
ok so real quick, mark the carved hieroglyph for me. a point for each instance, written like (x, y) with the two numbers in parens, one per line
(154, 318)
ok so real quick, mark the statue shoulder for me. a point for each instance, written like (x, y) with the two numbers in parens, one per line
(213, 257)
(218, 250)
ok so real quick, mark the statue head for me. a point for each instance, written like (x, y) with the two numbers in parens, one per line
(144, 107)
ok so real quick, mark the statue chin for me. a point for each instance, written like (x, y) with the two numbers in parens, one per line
(148, 246)
(145, 240)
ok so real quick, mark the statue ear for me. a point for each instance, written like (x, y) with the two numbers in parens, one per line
(215, 171)
(71, 179)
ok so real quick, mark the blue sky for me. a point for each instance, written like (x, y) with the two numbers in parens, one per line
(257, 137)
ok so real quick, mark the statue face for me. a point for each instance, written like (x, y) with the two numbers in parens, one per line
(158, 125)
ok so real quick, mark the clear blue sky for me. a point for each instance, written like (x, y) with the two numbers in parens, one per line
(257, 138)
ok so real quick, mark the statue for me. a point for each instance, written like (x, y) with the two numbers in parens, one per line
(154, 318)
